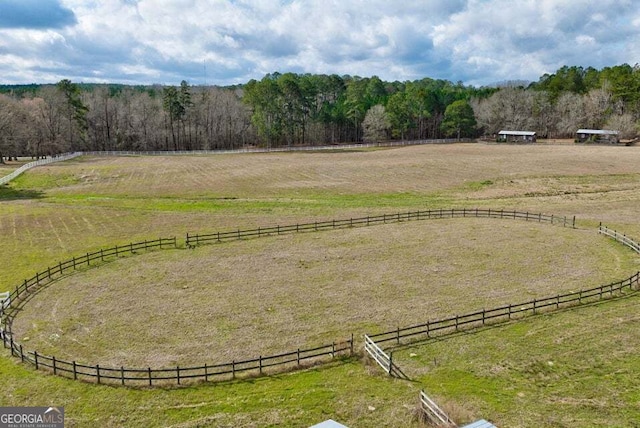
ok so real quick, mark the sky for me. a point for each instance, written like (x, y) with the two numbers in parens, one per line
(224, 42)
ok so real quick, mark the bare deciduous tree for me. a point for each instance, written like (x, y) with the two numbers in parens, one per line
(375, 126)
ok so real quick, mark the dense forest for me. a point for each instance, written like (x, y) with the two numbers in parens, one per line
(304, 109)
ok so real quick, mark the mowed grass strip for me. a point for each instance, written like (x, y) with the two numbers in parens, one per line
(242, 299)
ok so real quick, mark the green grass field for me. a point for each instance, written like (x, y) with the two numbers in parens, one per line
(352, 281)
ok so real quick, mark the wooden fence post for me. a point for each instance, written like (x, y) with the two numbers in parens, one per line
(122, 374)
(206, 372)
(233, 369)
(351, 352)
(150, 378)
(390, 362)
(35, 359)
(178, 374)
(260, 363)
(55, 369)
(98, 372)
(75, 373)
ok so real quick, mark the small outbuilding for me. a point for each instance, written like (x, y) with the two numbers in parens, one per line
(517, 137)
(597, 136)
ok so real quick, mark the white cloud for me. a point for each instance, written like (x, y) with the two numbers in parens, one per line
(476, 41)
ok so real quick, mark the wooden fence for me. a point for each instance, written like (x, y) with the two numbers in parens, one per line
(86, 259)
(150, 376)
(10, 301)
(504, 313)
(198, 239)
(137, 376)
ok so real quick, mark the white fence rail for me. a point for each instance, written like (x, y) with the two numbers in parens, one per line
(26, 166)
(624, 239)
(279, 149)
(68, 156)
(5, 301)
(385, 361)
(434, 413)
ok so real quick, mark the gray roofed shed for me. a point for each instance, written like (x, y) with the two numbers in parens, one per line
(526, 136)
(597, 135)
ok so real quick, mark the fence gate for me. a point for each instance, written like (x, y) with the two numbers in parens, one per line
(385, 361)
(434, 413)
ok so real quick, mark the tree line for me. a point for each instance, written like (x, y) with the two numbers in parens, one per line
(308, 109)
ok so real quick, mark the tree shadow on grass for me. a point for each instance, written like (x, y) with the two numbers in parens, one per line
(9, 194)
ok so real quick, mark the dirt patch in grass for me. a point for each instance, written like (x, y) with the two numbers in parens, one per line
(265, 296)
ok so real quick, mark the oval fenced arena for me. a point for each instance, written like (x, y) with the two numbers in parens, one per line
(290, 360)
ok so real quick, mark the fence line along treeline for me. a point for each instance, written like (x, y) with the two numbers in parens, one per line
(68, 156)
